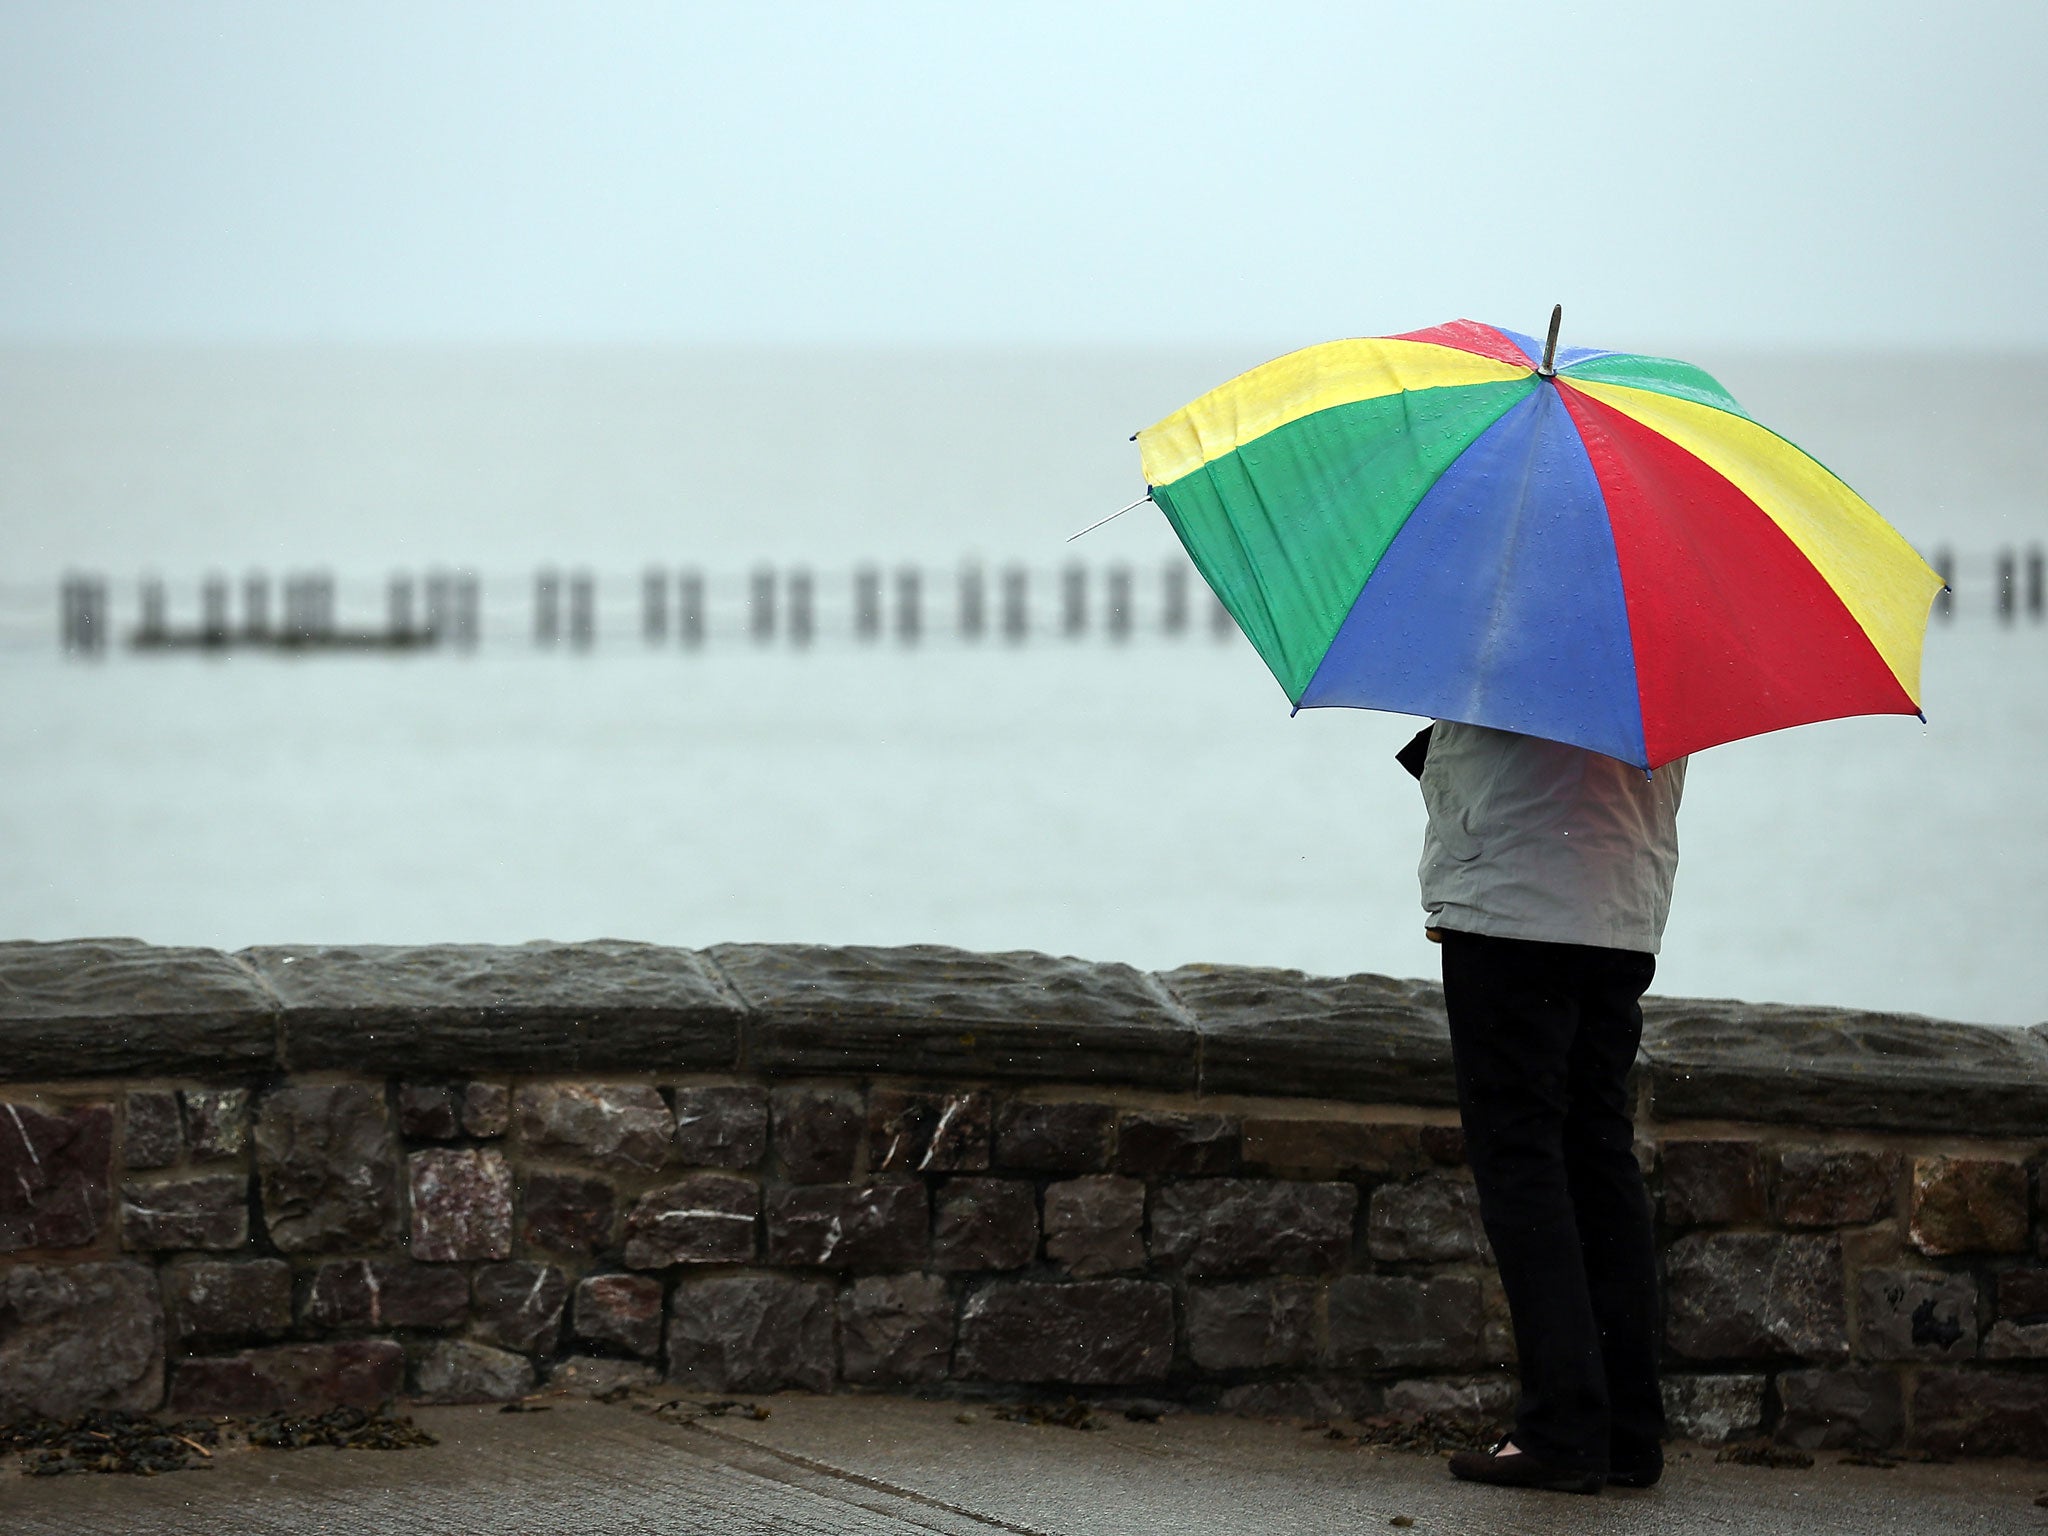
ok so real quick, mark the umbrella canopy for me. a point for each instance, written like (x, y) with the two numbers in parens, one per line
(1612, 555)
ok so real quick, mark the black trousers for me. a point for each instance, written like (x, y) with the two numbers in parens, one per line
(1542, 1037)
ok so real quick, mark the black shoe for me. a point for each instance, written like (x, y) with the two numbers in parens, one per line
(1522, 1470)
(1644, 1475)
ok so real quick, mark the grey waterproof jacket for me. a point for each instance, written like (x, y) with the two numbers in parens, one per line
(1532, 839)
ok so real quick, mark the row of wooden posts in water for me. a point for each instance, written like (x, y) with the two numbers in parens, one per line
(675, 608)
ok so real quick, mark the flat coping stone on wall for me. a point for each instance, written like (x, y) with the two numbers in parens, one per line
(1365, 1038)
(928, 1010)
(114, 1007)
(606, 1005)
(1722, 1060)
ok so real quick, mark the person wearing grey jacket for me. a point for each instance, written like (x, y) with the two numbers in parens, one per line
(1546, 875)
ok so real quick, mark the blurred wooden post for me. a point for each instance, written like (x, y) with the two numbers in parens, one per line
(82, 623)
(213, 609)
(1016, 604)
(1173, 599)
(582, 610)
(1221, 625)
(801, 621)
(1944, 563)
(654, 605)
(1074, 601)
(909, 615)
(1117, 604)
(867, 603)
(547, 607)
(2035, 582)
(467, 603)
(973, 603)
(2007, 586)
(440, 610)
(761, 606)
(690, 608)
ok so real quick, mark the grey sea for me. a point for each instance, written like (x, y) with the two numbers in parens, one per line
(1142, 797)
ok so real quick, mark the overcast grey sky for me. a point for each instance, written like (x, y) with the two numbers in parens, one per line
(1746, 174)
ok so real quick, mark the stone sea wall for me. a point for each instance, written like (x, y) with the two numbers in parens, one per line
(315, 1175)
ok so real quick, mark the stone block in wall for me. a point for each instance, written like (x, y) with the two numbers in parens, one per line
(849, 1226)
(1969, 1205)
(1824, 1187)
(2023, 1295)
(721, 1126)
(1090, 1333)
(56, 1173)
(925, 1132)
(1278, 1033)
(1712, 1409)
(895, 1329)
(566, 1212)
(1248, 1226)
(152, 1134)
(1748, 1295)
(1841, 1410)
(461, 1204)
(429, 1111)
(614, 1125)
(929, 1011)
(227, 1299)
(1093, 1224)
(751, 1333)
(2016, 1341)
(1490, 1398)
(601, 1375)
(1430, 1220)
(1981, 1413)
(1394, 1323)
(1716, 1060)
(387, 1293)
(122, 1008)
(216, 1122)
(1277, 1144)
(519, 1305)
(486, 1109)
(541, 1007)
(458, 1371)
(79, 1336)
(1916, 1314)
(1058, 1137)
(623, 1311)
(1713, 1182)
(706, 1218)
(817, 1133)
(208, 1210)
(352, 1373)
(985, 1224)
(1151, 1143)
(1252, 1326)
(327, 1164)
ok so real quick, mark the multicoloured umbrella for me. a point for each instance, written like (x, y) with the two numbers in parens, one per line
(1608, 552)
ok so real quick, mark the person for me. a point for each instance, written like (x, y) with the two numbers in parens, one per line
(1546, 874)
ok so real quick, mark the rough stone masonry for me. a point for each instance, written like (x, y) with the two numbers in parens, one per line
(295, 1177)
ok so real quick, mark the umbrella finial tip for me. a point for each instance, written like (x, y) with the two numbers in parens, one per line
(1550, 344)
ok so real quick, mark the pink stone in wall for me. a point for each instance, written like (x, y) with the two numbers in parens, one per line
(1969, 1205)
(55, 1175)
(461, 1205)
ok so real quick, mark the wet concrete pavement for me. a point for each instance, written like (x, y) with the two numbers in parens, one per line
(868, 1466)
